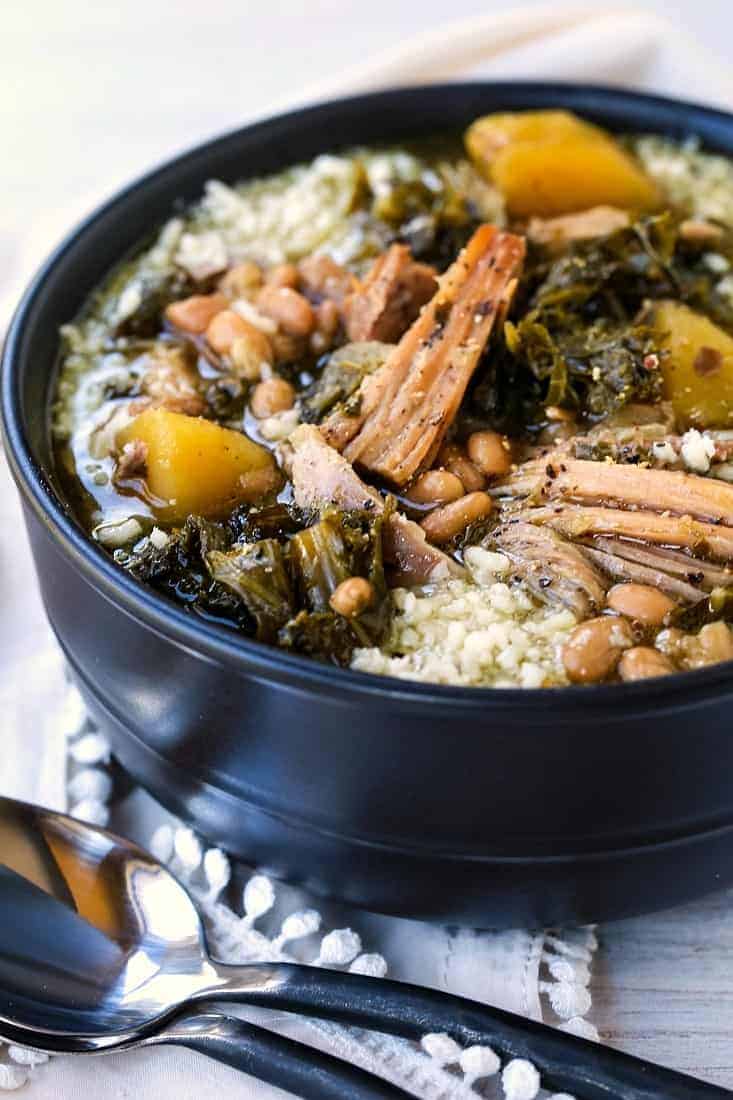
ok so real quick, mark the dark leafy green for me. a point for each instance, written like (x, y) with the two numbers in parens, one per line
(256, 573)
(179, 570)
(266, 574)
(321, 634)
(718, 605)
(156, 291)
(226, 398)
(275, 521)
(433, 241)
(594, 370)
(342, 545)
(339, 377)
(577, 338)
(581, 336)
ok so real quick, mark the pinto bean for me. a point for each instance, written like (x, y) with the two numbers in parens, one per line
(283, 275)
(641, 602)
(450, 451)
(436, 487)
(328, 319)
(490, 452)
(242, 280)
(248, 352)
(270, 397)
(700, 232)
(195, 313)
(472, 478)
(352, 596)
(287, 348)
(293, 313)
(224, 329)
(641, 662)
(594, 649)
(454, 459)
(448, 521)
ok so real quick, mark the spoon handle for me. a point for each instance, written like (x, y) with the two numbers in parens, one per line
(566, 1062)
(276, 1059)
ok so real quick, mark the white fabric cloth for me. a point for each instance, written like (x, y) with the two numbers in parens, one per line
(577, 43)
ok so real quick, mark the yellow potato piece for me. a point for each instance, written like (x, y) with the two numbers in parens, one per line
(196, 466)
(697, 363)
(488, 135)
(549, 163)
(546, 179)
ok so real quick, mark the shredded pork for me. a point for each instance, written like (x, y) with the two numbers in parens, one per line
(554, 569)
(321, 476)
(578, 522)
(405, 408)
(599, 221)
(623, 569)
(662, 559)
(630, 486)
(391, 297)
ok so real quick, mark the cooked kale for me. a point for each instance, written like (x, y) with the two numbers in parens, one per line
(429, 213)
(321, 559)
(606, 277)
(274, 521)
(320, 634)
(256, 573)
(179, 570)
(153, 291)
(226, 398)
(341, 545)
(259, 568)
(504, 395)
(432, 241)
(576, 337)
(594, 370)
(339, 376)
(581, 335)
(398, 201)
(718, 605)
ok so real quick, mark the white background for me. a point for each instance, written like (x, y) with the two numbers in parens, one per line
(94, 91)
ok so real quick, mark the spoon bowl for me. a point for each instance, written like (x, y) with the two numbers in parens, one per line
(119, 946)
(118, 939)
(101, 948)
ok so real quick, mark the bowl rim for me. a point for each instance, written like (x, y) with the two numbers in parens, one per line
(257, 660)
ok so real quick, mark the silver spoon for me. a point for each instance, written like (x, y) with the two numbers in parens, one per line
(100, 947)
(302, 1070)
(80, 952)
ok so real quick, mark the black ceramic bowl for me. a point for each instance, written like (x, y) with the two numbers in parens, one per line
(494, 807)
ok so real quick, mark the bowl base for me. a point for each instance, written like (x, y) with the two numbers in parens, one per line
(491, 893)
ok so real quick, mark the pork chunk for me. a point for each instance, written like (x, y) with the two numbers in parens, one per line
(405, 408)
(389, 300)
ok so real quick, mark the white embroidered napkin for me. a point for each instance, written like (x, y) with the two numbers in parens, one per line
(611, 45)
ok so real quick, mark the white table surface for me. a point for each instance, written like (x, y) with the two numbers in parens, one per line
(93, 93)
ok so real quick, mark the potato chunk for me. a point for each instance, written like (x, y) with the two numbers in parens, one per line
(549, 163)
(195, 466)
(697, 365)
(487, 136)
